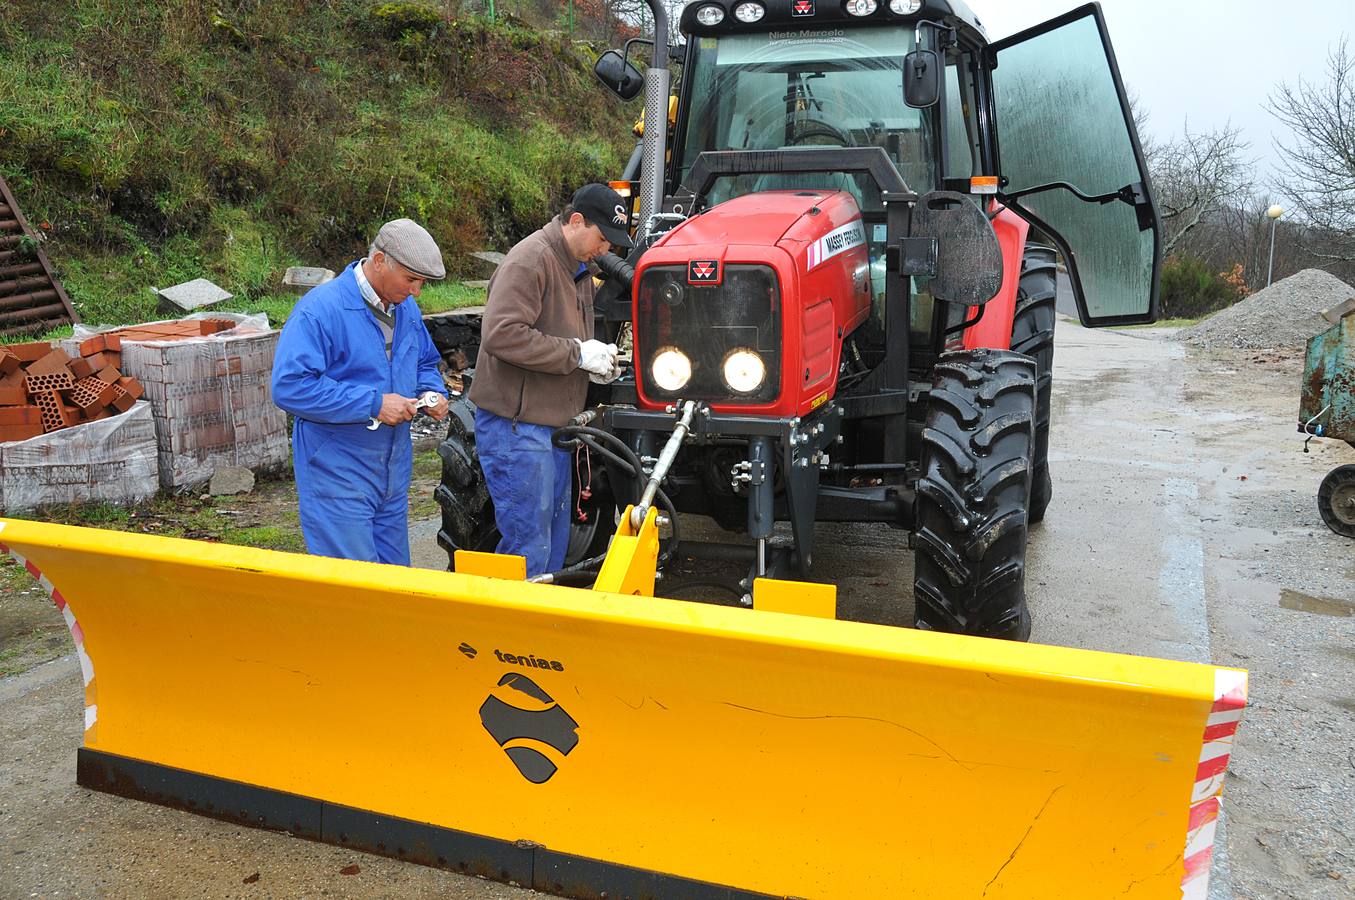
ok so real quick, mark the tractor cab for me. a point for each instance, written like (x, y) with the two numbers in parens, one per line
(1038, 123)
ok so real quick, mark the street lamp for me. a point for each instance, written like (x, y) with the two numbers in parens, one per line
(1274, 213)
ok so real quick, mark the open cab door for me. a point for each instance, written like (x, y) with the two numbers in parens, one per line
(1071, 163)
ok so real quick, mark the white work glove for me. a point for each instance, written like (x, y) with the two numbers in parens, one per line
(611, 376)
(596, 357)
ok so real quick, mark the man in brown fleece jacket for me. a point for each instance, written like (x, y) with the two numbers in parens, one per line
(537, 354)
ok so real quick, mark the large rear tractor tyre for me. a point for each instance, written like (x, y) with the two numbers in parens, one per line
(468, 511)
(1033, 335)
(1336, 500)
(971, 508)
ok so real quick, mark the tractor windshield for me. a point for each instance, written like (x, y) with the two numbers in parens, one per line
(834, 88)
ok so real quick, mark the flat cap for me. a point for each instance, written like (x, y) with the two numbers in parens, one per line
(406, 242)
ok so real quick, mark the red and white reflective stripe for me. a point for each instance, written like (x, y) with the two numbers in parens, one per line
(77, 633)
(1206, 802)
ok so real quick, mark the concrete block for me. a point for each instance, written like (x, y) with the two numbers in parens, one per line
(191, 296)
(231, 480)
(302, 278)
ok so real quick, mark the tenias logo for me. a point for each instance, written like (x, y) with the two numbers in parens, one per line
(533, 730)
(530, 660)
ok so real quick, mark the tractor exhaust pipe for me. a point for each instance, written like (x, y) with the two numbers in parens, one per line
(614, 268)
(654, 147)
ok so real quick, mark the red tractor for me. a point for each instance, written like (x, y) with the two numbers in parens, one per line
(835, 298)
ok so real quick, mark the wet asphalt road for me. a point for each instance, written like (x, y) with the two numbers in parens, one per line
(1183, 525)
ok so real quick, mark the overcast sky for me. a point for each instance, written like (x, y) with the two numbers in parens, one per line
(1207, 61)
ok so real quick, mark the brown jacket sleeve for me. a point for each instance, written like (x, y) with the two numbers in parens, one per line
(509, 329)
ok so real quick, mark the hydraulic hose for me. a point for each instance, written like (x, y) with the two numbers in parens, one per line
(623, 457)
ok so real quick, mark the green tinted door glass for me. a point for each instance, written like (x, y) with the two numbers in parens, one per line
(1062, 117)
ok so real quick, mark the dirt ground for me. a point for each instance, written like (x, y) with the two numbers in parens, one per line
(1184, 525)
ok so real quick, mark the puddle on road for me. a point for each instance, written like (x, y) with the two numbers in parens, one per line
(1323, 606)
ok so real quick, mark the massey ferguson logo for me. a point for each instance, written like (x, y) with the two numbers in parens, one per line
(703, 271)
(802, 8)
(529, 725)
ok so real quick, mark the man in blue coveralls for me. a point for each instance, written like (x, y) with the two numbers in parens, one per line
(352, 361)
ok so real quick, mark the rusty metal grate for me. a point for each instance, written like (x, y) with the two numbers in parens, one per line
(31, 298)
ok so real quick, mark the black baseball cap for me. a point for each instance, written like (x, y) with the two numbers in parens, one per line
(605, 208)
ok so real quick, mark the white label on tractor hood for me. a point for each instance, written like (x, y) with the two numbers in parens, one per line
(839, 240)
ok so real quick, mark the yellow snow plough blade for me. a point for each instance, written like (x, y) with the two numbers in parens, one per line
(581, 742)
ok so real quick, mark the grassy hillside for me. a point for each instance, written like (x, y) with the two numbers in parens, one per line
(155, 141)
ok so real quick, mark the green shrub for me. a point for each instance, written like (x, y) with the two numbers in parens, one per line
(405, 21)
(1190, 288)
(173, 139)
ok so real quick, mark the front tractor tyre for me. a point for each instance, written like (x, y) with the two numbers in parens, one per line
(1033, 335)
(972, 495)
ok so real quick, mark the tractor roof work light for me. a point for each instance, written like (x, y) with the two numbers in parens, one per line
(904, 7)
(748, 13)
(710, 14)
(862, 7)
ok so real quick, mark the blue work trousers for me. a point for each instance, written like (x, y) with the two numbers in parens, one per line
(530, 481)
(358, 527)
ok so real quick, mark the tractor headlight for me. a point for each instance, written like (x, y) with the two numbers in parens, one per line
(744, 370)
(749, 13)
(904, 7)
(862, 7)
(672, 369)
(710, 15)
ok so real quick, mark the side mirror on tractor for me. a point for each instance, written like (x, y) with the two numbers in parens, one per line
(922, 78)
(619, 76)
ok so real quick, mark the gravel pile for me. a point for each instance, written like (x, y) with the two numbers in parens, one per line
(1284, 315)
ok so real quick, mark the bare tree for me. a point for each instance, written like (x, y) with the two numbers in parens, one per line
(1318, 175)
(1196, 176)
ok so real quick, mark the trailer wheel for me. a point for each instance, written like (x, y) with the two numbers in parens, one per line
(1033, 335)
(972, 495)
(468, 511)
(1336, 500)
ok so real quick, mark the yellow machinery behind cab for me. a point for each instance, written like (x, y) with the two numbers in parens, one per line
(583, 742)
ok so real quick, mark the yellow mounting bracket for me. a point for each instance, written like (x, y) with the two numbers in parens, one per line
(632, 557)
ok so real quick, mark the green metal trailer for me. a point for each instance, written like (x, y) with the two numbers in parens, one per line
(1327, 410)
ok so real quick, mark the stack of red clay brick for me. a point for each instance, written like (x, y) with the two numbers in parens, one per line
(42, 389)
